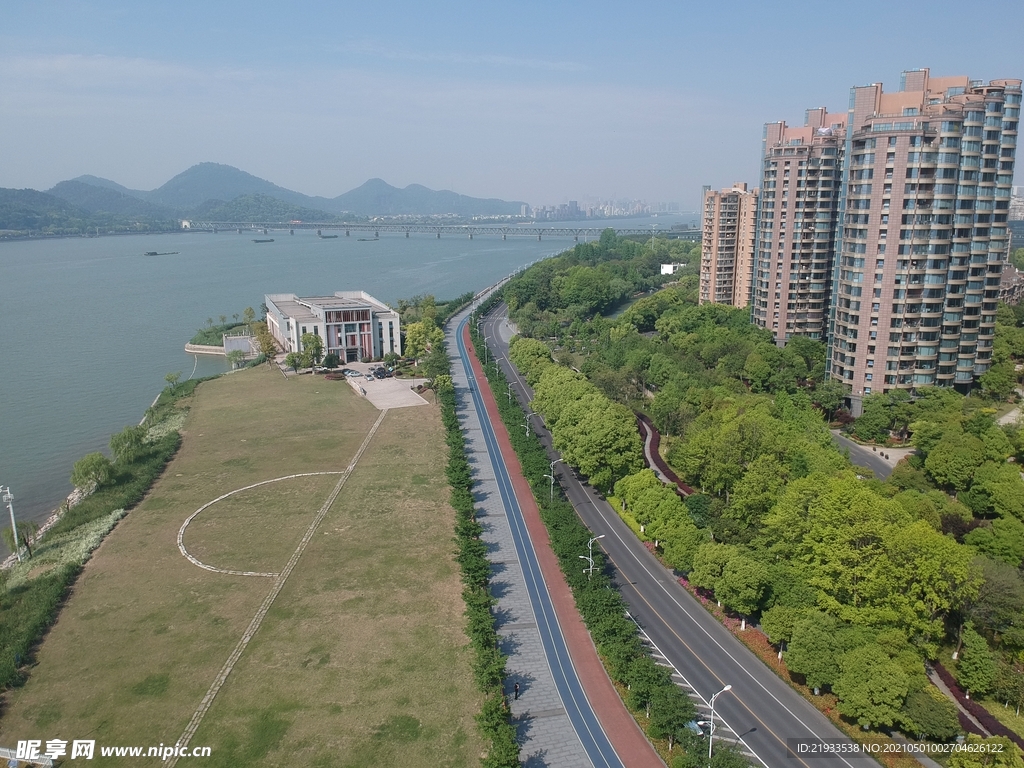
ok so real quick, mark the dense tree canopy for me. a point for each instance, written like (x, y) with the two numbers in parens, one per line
(861, 579)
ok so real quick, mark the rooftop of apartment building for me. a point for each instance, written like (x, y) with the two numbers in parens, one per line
(819, 124)
(922, 94)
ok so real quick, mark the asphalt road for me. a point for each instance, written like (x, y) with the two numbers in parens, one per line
(864, 457)
(581, 715)
(760, 712)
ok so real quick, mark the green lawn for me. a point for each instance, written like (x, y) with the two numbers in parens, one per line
(1006, 715)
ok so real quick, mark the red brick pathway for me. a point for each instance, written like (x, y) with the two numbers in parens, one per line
(629, 741)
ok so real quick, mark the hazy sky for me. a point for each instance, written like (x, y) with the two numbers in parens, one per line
(542, 102)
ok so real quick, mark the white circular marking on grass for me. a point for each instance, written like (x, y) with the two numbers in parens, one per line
(279, 581)
(207, 505)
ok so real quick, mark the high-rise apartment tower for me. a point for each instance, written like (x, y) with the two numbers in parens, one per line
(797, 222)
(926, 192)
(727, 247)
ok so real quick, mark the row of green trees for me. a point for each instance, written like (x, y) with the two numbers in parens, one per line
(661, 706)
(589, 278)
(471, 554)
(782, 530)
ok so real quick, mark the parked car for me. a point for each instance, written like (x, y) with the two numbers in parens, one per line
(369, 377)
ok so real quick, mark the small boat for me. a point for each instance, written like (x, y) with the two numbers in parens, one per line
(327, 237)
(368, 239)
(268, 240)
(155, 253)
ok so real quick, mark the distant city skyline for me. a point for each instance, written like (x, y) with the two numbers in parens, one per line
(542, 103)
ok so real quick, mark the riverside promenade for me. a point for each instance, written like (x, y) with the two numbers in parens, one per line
(554, 716)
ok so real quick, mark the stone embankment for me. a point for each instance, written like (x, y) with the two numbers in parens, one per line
(204, 349)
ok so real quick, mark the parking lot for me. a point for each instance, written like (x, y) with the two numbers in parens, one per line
(385, 393)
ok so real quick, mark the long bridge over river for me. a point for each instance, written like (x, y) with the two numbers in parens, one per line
(447, 230)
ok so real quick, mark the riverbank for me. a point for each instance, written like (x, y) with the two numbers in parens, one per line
(39, 236)
(33, 590)
(204, 349)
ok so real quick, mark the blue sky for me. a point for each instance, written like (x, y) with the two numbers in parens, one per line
(542, 102)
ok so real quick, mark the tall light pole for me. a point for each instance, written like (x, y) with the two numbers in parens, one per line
(589, 570)
(526, 422)
(551, 477)
(480, 333)
(8, 498)
(711, 734)
(510, 393)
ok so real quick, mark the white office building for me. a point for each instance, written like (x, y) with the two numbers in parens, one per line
(353, 324)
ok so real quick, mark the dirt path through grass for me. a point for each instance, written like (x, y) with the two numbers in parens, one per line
(279, 582)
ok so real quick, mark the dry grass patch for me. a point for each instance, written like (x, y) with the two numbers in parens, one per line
(145, 631)
(363, 661)
(259, 528)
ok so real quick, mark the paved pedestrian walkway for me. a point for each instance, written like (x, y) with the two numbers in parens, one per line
(546, 736)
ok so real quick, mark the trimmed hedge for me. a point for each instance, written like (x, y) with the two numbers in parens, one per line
(471, 554)
(982, 715)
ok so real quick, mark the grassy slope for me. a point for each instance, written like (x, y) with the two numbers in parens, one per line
(145, 631)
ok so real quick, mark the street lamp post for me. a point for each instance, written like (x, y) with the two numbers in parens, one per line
(589, 570)
(8, 498)
(510, 393)
(551, 477)
(711, 734)
(480, 333)
(526, 422)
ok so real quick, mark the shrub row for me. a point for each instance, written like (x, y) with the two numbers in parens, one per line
(448, 310)
(982, 715)
(26, 613)
(126, 488)
(660, 706)
(471, 554)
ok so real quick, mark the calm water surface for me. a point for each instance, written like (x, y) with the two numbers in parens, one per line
(93, 325)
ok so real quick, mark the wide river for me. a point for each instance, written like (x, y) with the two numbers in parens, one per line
(94, 325)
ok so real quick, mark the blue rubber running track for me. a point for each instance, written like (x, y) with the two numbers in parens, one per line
(581, 715)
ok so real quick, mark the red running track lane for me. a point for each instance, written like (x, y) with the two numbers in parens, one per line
(629, 741)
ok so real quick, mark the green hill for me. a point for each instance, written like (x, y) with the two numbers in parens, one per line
(28, 210)
(213, 181)
(96, 199)
(258, 208)
(378, 198)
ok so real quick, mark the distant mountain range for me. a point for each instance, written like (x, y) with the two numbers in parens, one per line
(193, 190)
(215, 192)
